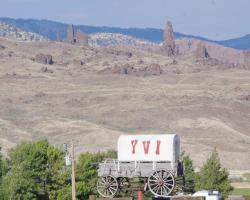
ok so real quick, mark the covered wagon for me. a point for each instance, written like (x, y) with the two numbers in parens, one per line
(152, 158)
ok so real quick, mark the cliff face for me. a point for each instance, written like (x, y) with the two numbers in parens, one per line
(13, 33)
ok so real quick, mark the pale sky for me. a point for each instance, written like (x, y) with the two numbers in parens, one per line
(214, 19)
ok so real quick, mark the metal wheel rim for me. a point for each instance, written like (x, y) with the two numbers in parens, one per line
(161, 183)
(107, 186)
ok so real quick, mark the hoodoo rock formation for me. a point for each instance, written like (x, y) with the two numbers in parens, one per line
(81, 38)
(70, 34)
(169, 40)
(247, 58)
(201, 52)
(44, 59)
(153, 69)
(58, 37)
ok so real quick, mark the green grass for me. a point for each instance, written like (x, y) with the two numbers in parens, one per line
(241, 191)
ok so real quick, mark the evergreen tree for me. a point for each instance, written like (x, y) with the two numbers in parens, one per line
(86, 175)
(213, 177)
(34, 171)
(3, 171)
(189, 184)
(37, 171)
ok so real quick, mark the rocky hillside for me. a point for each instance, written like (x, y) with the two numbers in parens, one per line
(13, 33)
(71, 90)
(186, 47)
(62, 91)
(111, 39)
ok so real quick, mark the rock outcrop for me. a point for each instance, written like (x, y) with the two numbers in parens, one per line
(127, 69)
(2, 47)
(44, 59)
(82, 38)
(169, 40)
(201, 52)
(70, 34)
(58, 36)
(247, 58)
(154, 69)
(118, 52)
(78, 62)
(202, 56)
(46, 70)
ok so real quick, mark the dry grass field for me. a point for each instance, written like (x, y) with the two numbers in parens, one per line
(209, 107)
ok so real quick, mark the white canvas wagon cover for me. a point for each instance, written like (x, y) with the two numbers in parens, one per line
(165, 147)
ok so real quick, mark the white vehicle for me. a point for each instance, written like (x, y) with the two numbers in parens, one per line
(153, 158)
(208, 194)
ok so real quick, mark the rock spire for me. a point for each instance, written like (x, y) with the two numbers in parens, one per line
(81, 38)
(70, 34)
(169, 40)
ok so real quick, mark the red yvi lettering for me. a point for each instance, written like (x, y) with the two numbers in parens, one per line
(158, 147)
(146, 146)
(133, 143)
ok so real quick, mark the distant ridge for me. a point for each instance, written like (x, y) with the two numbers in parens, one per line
(238, 43)
(49, 28)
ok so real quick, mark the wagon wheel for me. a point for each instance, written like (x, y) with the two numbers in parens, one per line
(107, 186)
(123, 185)
(161, 183)
(123, 182)
(179, 184)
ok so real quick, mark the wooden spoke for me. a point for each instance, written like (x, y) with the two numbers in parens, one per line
(107, 186)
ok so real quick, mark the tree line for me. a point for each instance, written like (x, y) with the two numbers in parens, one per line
(36, 170)
(211, 176)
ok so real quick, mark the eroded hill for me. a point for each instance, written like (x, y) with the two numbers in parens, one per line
(94, 94)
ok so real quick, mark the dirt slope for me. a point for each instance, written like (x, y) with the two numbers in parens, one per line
(208, 106)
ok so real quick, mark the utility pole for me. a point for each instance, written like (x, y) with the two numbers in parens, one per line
(70, 161)
(73, 179)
